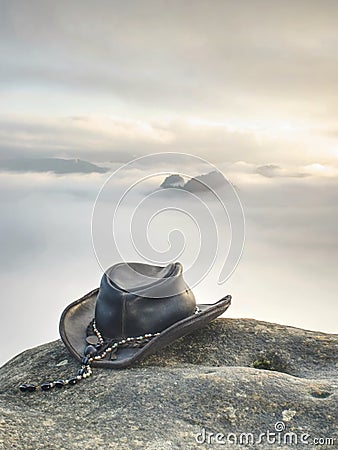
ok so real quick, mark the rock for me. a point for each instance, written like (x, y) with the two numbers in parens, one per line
(233, 376)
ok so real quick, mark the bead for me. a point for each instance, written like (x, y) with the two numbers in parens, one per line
(85, 360)
(46, 386)
(31, 387)
(59, 384)
(81, 371)
(23, 387)
(72, 380)
(78, 377)
(90, 351)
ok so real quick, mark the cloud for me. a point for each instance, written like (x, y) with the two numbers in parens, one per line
(193, 46)
(272, 170)
(269, 170)
(322, 170)
(216, 63)
(99, 138)
(102, 139)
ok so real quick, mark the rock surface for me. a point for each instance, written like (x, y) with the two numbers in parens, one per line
(233, 376)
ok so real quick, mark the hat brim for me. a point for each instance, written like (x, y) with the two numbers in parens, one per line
(77, 316)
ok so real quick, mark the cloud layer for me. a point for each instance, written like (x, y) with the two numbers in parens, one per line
(219, 79)
(287, 273)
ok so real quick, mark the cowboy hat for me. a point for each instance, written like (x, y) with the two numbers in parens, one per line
(137, 310)
(139, 302)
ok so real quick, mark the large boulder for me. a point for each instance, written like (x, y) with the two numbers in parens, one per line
(236, 383)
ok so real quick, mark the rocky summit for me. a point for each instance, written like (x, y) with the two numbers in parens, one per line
(236, 383)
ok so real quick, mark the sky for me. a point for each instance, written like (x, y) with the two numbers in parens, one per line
(250, 86)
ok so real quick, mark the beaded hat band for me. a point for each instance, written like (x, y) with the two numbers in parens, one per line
(104, 349)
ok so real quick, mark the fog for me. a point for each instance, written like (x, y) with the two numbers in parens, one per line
(287, 273)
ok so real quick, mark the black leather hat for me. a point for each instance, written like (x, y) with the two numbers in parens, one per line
(137, 310)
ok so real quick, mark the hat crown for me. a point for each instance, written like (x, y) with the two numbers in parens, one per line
(136, 298)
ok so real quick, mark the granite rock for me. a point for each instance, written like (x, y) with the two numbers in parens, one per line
(256, 384)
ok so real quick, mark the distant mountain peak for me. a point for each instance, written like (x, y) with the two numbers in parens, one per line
(55, 165)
